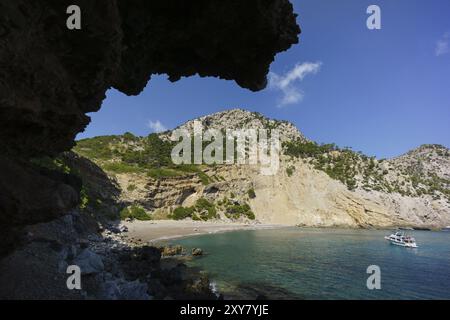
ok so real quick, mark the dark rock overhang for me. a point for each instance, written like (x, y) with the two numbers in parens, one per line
(50, 76)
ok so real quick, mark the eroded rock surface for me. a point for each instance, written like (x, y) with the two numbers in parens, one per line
(112, 265)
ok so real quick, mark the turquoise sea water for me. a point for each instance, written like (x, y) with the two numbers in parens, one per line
(296, 263)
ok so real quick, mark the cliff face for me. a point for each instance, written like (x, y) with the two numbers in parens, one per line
(420, 186)
(51, 77)
(314, 186)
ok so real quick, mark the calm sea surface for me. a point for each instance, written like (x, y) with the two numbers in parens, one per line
(295, 263)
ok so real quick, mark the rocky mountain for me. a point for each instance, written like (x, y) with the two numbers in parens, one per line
(239, 119)
(425, 161)
(316, 185)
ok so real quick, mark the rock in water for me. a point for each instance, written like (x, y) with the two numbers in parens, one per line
(197, 252)
(170, 251)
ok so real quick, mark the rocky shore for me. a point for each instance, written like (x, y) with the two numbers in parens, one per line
(113, 265)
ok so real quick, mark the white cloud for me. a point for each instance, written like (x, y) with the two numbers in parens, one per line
(156, 126)
(286, 83)
(442, 45)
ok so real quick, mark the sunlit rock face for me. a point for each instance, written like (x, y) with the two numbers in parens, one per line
(50, 77)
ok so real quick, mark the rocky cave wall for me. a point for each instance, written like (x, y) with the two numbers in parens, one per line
(50, 76)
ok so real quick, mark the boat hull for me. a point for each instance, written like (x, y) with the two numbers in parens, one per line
(406, 245)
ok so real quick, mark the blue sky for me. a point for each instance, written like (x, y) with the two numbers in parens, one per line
(382, 92)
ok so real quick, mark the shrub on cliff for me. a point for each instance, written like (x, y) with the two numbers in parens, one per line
(120, 167)
(181, 213)
(250, 215)
(307, 149)
(203, 205)
(134, 212)
(202, 210)
(96, 148)
(290, 171)
(235, 211)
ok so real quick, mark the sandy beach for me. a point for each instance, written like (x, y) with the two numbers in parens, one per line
(160, 230)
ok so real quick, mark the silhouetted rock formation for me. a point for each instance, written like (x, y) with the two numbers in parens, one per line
(50, 77)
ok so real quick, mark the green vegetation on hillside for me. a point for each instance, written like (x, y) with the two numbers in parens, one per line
(339, 164)
(307, 149)
(202, 210)
(97, 148)
(128, 149)
(234, 210)
(290, 171)
(134, 212)
(149, 156)
(355, 169)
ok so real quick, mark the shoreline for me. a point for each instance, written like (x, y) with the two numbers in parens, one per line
(155, 231)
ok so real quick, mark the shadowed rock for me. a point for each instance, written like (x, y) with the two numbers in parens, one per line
(51, 76)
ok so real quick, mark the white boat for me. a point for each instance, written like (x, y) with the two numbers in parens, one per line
(401, 239)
